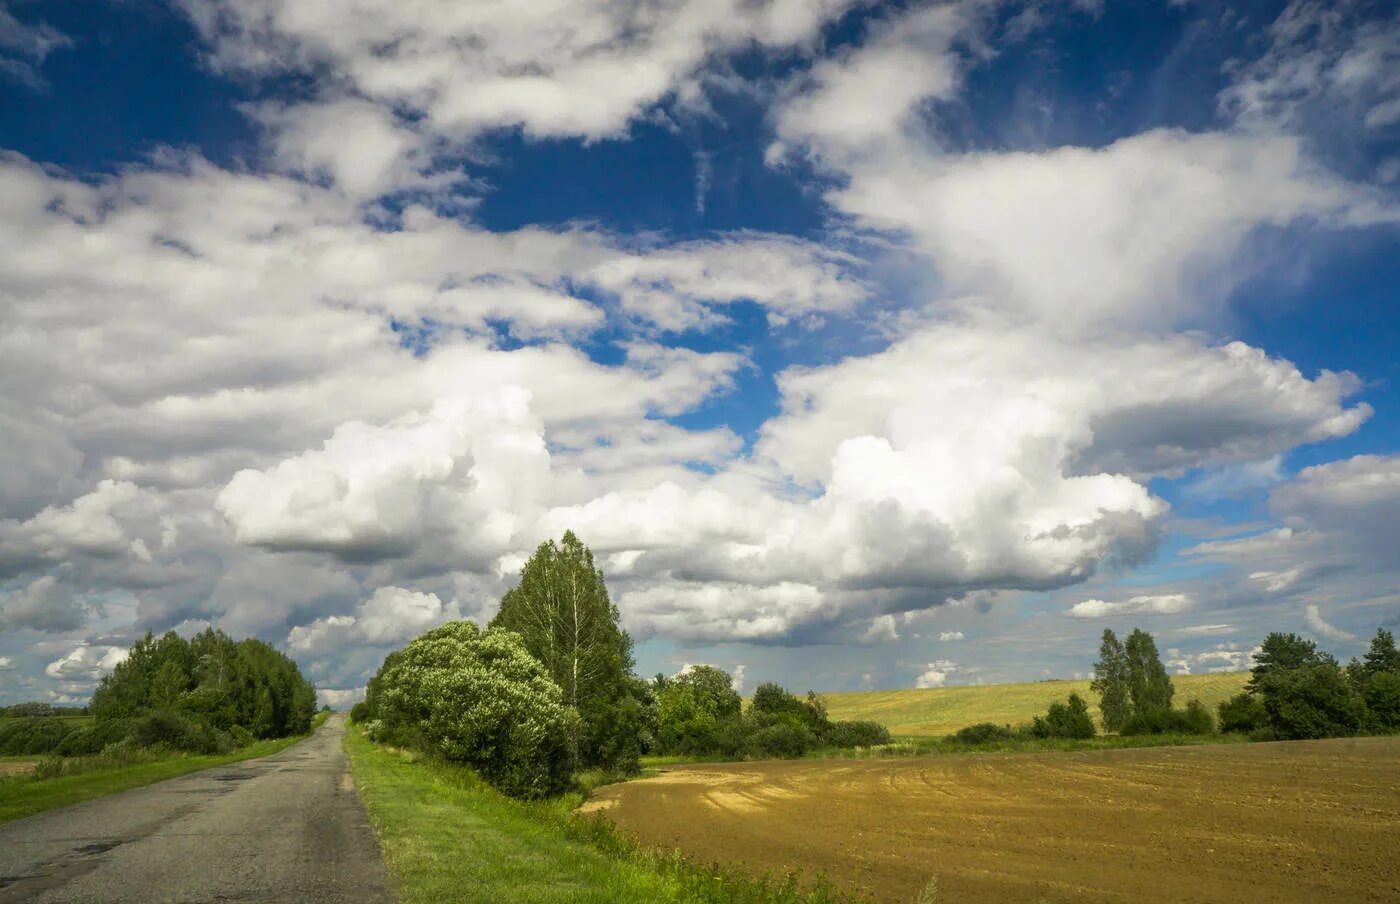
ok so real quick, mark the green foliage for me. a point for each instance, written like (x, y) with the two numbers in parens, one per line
(30, 735)
(1243, 713)
(213, 681)
(1382, 657)
(1195, 719)
(1382, 696)
(1310, 700)
(1149, 686)
(479, 699)
(698, 713)
(1111, 682)
(562, 612)
(985, 733)
(1280, 652)
(857, 733)
(1070, 719)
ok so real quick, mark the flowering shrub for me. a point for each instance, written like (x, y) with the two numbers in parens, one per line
(480, 699)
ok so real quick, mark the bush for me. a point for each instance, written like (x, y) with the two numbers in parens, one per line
(31, 735)
(1070, 719)
(1195, 719)
(985, 733)
(178, 731)
(856, 734)
(480, 699)
(782, 738)
(1243, 714)
(359, 713)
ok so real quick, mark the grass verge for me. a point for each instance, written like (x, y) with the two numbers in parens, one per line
(449, 837)
(22, 796)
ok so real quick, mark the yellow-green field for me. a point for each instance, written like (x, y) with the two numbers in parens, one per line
(943, 710)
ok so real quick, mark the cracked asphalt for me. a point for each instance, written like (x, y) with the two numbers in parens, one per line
(286, 827)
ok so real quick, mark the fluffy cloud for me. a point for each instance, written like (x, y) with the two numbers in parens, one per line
(1165, 604)
(460, 69)
(86, 664)
(936, 674)
(390, 617)
(1146, 231)
(951, 635)
(1221, 658)
(6, 664)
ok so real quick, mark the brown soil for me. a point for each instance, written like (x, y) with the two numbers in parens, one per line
(1303, 821)
(17, 767)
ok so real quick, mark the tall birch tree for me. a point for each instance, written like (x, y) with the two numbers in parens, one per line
(562, 611)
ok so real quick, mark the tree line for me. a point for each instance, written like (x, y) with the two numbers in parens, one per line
(208, 694)
(548, 687)
(1295, 692)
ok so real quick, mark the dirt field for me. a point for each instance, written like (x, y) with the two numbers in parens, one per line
(1303, 821)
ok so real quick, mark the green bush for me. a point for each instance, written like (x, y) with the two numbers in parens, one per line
(985, 733)
(479, 699)
(360, 713)
(31, 735)
(1243, 713)
(175, 730)
(856, 734)
(781, 738)
(1070, 719)
(1195, 719)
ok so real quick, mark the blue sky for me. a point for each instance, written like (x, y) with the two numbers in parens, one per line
(867, 344)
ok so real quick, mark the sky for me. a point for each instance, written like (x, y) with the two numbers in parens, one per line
(867, 345)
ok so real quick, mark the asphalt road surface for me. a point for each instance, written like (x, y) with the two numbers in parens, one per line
(287, 827)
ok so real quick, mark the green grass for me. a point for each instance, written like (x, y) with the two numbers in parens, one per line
(447, 837)
(941, 711)
(22, 796)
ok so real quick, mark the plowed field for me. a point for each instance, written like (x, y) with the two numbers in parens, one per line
(1302, 821)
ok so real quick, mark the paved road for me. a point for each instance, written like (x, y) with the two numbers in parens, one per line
(287, 827)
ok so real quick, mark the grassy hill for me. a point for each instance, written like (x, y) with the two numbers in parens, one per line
(943, 710)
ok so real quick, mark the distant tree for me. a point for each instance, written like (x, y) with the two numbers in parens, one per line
(562, 612)
(1111, 682)
(1382, 656)
(1243, 713)
(698, 712)
(1070, 719)
(1280, 651)
(1149, 686)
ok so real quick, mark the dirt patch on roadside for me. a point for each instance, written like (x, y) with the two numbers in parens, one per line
(17, 767)
(1288, 822)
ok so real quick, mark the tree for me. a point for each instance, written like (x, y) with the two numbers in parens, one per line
(1149, 686)
(1382, 696)
(1111, 682)
(562, 612)
(1280, 652)
(1070, 719)
(697, 712)
(1311, 700)
(1382, 657)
